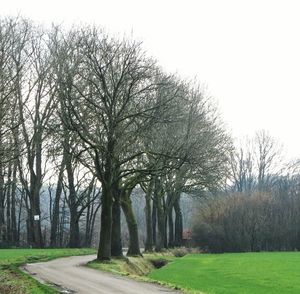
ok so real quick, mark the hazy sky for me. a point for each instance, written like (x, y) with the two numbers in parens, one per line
(247, 53)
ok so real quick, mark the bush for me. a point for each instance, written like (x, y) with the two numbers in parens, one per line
(158, 263)
(247, 222)
(180, 252)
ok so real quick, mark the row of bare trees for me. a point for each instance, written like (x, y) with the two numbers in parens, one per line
(85, 119)
(34, 145)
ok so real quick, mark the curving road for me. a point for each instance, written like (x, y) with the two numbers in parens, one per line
(68, 275)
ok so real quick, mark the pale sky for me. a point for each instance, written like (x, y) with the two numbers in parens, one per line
(247, 53)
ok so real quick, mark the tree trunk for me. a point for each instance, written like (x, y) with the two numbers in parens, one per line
(8, 205)
(62, 224)
(134, 247)
(171, 228)
(104, 251)
(178, 223)
(74, 230)
(2, 201)
(38, 237)
(23, 193)
(116, 244)
(55, 215)
(165, 220)
(13, 206)
(74, 241)
(149, 221)
(88, 219)
(33, 191)
(35, 215)
(107, 179)
(154, 220)
(161, 227)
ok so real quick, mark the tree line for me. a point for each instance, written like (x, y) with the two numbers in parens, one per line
(259, 210)
(85, 119)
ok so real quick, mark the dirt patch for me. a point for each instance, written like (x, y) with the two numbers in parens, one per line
(9, 289)
(8, 284)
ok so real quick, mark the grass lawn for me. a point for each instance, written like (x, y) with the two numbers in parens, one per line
(254, 273)
(13, 281)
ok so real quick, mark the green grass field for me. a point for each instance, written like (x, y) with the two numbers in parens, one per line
(13, 281)
(255, 273)
(245, 273)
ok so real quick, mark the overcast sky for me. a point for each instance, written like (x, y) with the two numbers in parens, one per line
(247, 53)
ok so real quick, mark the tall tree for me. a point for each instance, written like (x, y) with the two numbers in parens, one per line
(35, 93)
(111, 95)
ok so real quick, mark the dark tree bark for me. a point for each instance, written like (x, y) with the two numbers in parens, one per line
(55, 215)
(149, 220)
(178, 223)
(74, 241)
(116, 243)
(34, 198)
(161, 226)
(2, 201)
(134, 247)
(108, 180)
(33, 186)
(22, 196)
(165, 215)
(74, 230)
(171, 229)
(14, 231)
(104, 251)
(8, 204)
(161, 218)
(62, 224)
(154, 220)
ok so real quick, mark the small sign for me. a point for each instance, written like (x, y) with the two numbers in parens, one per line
(36, 217)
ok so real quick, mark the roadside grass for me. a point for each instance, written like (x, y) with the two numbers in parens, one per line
(14, 281)
(133, 266)
(138, 268)
(259, 273)
(230, 273)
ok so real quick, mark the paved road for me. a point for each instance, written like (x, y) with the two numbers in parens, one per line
(69, 276)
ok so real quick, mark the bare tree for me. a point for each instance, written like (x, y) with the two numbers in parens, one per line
(192, 152)
(256, 163)
(35, 92)
(110, 96)
(243, 168)
(267, 153)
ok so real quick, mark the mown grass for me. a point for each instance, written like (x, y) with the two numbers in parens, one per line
(14, 281)
(259, 273)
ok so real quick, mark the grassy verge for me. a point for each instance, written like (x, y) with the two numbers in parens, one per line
(13, 281)
(133, 266)
(138, 267)
(259, 273)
